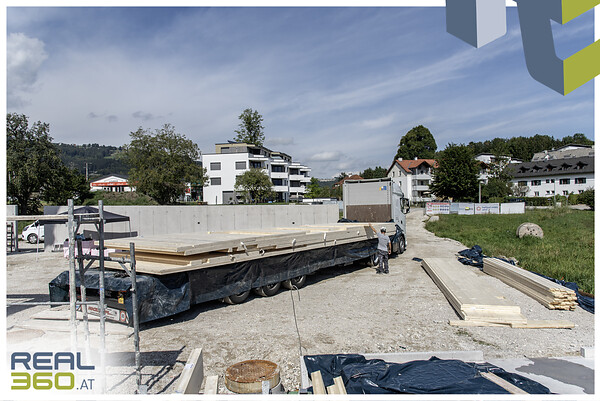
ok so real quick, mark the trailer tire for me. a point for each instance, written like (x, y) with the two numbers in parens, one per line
(295, 283)
(237, 299)
(268, 290)
(402, 244)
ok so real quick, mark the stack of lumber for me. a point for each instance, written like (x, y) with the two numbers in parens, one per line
(546, 292)
(477, 303)
(319, 387)
(172, 253)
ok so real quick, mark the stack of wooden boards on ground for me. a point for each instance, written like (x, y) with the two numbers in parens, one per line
(546, 292)
(475, 302)
(172, 253)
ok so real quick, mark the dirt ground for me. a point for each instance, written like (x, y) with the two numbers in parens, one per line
(341, 310)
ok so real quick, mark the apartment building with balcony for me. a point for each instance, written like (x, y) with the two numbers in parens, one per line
(231, 159)
(414, 177)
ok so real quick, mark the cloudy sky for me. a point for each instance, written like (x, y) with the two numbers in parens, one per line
(337, 87)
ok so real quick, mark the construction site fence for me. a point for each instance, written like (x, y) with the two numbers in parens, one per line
(464, 208)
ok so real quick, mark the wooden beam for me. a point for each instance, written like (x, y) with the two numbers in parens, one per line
(511, 388)
(317, 382)
(192, 375)
(211, 385)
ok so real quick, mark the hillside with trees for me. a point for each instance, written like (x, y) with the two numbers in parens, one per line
(101, 159)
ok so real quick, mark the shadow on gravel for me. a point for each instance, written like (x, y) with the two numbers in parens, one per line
(23, 298)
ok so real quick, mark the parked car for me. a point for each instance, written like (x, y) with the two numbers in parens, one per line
(33, 233)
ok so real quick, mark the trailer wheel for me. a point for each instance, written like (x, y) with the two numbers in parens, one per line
(373, 260)
(237, 299)
(268, 290)
(402, 244)
(296, 282)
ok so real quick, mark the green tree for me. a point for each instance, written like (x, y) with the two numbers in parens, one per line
(250, 128)
(67, 184)
(587, 198)
(498, 185)
(316, 190)
(255, 185)
(377, 172)
(32, 162)
(418, 142)
(161, 164)
(457, 174)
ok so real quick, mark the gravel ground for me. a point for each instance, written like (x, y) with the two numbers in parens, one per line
(341, 310)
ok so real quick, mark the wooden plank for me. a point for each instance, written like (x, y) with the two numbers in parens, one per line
(544, 324)
(511, 388)
(548, 293)
(192, 375)
(339, 382)
(317, 382)
(211, 385)
(332, 389)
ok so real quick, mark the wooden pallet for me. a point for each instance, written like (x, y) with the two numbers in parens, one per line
(546, 292)
(477, 303)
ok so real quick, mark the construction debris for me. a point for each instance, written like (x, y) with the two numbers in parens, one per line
(247, 377)
(546, 292)
(530, 229)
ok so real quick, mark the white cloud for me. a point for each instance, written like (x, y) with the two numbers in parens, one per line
(380, 122)
(325, 157)
(279, 141)
(24, 58)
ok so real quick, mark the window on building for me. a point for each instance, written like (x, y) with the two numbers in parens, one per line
(277, 182)
(294, 171)
(535, 183)
(295, 184)
(580, 180)
(581, 191)
(215, 165)
(240, 165)
(566, 193)
(536, 193)
(547, 180)
(215, 181)
(278, 169)
(256, 164)
(564, 181)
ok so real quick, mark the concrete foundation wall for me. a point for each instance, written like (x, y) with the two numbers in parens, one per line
(148, 221)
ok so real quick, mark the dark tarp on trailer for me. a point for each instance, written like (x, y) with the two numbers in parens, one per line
(433, 376)
(166, 295)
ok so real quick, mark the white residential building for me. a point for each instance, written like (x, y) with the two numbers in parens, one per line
(413, 177)
(487, 160)
(554, 176)
(232, 159)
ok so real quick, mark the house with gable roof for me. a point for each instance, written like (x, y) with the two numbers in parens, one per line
(414, 177)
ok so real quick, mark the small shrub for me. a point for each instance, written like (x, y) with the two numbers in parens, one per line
(587, 198)
(120, 198)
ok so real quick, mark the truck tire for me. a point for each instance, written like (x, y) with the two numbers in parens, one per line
(32, 238)
(402, 244)
(237, 299)
(268, 290)
(295, 283)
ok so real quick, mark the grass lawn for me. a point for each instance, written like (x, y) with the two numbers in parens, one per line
(566, 251)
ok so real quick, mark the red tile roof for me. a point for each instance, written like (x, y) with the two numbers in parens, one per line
(407, 165)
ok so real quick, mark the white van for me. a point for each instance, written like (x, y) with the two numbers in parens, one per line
(33, 233)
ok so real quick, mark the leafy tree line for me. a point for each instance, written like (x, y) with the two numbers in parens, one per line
(523, 148)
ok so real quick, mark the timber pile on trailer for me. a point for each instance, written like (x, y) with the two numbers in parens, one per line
(173, 253)
(546, 292)
(477, 303)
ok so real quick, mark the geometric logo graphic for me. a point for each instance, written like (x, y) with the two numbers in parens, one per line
(477, 22)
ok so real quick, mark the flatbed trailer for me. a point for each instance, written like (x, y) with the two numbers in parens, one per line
(177, 271)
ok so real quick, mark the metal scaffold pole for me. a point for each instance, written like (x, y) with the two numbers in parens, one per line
(72, 282)
(101, 305)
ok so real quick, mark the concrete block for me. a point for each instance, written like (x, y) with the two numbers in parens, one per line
(587, 352)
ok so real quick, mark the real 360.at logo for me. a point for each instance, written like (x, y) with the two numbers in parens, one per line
(48, 370)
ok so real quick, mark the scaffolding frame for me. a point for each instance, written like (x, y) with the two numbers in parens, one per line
(76, 262)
